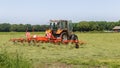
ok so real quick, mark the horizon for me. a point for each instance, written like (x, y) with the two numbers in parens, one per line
(41, 11)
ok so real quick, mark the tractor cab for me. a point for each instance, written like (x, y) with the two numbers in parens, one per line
(59, 24)
(60, 28)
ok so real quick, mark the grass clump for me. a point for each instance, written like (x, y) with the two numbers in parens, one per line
(13, 61)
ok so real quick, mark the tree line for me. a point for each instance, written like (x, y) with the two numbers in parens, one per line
(95, 26)
(6, 27)
(79, 26)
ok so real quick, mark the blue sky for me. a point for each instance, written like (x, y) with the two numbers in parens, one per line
(41, 11)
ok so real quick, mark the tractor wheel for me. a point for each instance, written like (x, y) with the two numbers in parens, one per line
(74, 37)
(64, 36)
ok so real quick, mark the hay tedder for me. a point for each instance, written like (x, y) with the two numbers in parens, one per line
(59, 32)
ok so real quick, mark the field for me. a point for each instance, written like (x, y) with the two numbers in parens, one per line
(102, 50)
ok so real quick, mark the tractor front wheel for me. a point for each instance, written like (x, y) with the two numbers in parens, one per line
(64, 36)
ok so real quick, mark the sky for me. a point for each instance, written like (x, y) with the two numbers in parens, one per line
(41, 11)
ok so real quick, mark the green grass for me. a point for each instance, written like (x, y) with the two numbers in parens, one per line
(101, 51)
(8, 60)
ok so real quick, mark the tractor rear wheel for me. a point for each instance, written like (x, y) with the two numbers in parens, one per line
(74, 37)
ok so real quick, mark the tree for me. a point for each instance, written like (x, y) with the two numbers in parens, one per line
(28, 27)
(5, 27)
(36, 27)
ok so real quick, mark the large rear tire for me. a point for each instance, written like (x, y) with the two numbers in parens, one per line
(74, 37)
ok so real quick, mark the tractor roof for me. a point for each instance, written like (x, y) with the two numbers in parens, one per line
(58, 20)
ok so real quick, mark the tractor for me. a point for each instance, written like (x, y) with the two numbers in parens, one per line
(62, 29)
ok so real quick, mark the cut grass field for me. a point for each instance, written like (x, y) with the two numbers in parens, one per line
(102, 50)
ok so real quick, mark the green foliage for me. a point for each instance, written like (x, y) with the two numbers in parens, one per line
(83, 26)
(5, 27)
(94, 26)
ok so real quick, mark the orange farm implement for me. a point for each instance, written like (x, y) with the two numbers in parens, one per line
(38, 39)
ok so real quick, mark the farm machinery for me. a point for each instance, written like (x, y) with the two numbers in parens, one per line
(59, 32)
